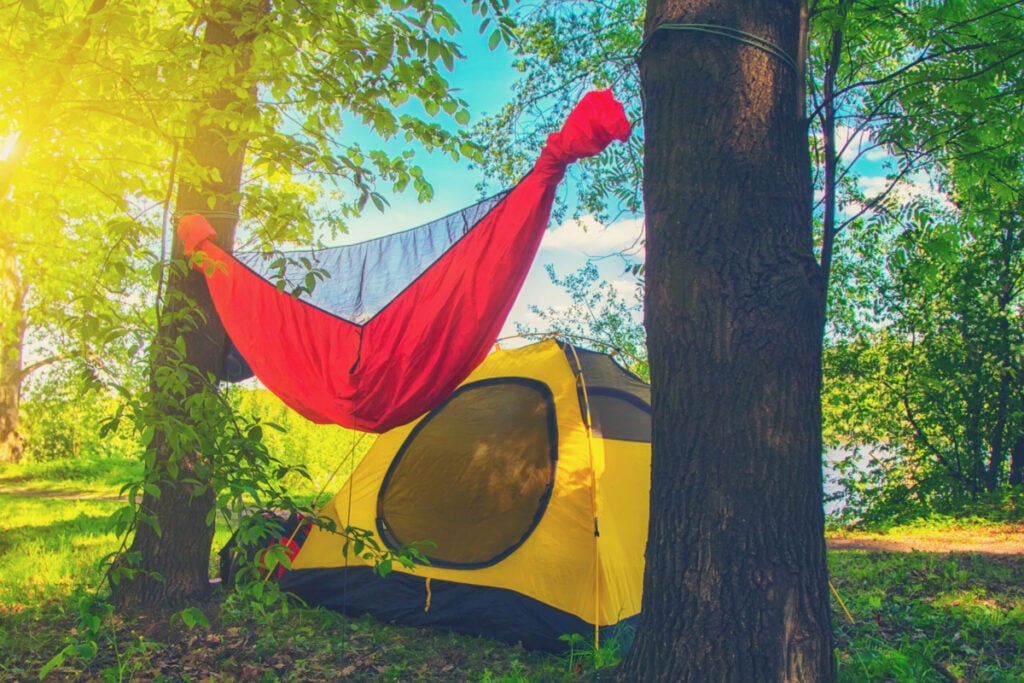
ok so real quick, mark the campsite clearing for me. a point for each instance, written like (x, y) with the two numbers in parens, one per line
(947, 609)
(1003, 539)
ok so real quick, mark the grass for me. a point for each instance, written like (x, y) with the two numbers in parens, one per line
(53, 536)
(53, 530)
(918, 616)
(923, 617)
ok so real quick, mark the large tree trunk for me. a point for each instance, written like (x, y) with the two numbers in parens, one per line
(12, 333)
(736, 584)
(174, 553)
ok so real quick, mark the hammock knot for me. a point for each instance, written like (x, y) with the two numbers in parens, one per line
(194, 230)
(595, 123)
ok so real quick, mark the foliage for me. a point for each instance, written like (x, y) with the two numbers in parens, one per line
(76, 184)
(916, 143)
(62, 426)
(563, 49)
(329, 453)
(584, 654)
(598, 316)
(236, 466)
(101, 145)
(95, 630)
(935, 381)
(925, 322)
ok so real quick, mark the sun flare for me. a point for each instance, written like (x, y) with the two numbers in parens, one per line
(8, 145)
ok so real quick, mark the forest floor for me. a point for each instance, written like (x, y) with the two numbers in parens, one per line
(990, 540)
(936, 601)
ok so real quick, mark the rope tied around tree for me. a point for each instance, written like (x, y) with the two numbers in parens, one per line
(739, 36)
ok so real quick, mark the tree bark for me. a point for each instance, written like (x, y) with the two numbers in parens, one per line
(12, 333)
(1004, 349)
(174, 553)
(1017, 462)
(736, 585)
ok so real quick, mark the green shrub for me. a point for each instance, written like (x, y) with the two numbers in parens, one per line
(328, 452)
(70, 427)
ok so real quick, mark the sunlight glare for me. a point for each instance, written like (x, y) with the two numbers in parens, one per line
(8, 145)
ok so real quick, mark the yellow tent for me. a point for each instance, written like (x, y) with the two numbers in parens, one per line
(538, 522)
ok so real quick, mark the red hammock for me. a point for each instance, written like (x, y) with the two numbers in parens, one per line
(381, 355)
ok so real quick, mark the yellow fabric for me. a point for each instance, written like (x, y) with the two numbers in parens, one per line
(555, 564)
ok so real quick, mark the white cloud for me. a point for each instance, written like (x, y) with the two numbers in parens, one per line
(859, 149)
(568, 247)
(590, 238)
(917, 185)
(877, 154)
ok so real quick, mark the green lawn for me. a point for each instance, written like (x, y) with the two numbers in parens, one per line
(930, 616)
(918, 616)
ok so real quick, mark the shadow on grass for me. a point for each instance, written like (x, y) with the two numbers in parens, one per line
(54, 534)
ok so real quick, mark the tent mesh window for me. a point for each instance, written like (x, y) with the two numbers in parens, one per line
(475, 475)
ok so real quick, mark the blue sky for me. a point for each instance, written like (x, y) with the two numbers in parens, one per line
(485, 80)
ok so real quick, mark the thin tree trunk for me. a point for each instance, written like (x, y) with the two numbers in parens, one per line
(1017, 462)
(735, 587)
(174, 553)
(12, 332)
(829, 229)
(13, 320)
(1004, 347)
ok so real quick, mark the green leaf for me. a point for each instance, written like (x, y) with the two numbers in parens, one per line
(55, 661)
(192, 617)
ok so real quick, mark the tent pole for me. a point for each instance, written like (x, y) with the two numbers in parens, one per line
(581, 380)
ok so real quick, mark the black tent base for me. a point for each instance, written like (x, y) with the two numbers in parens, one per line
(412, 600)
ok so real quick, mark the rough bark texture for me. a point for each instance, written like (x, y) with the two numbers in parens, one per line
(12, 331)
(176, 559)
(736, 582)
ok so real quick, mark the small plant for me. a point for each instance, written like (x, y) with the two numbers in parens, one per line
(96, 629)
(584, 656)
(490, 677)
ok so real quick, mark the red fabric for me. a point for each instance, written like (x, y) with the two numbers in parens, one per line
(291, 550)
(412, 355)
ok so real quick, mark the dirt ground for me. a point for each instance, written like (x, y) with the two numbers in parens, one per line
(1002, 540)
